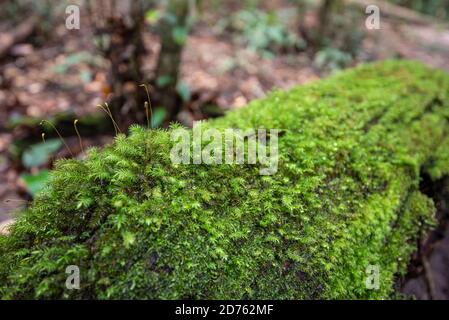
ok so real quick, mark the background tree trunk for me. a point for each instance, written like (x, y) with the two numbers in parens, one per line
(118, 29)
(173, 32)
(326, 11)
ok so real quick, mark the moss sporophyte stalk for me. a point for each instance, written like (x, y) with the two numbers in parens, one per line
(340, 218)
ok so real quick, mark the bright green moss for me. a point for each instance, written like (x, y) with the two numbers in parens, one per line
(346, 196)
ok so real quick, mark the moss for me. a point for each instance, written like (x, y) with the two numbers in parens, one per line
(346, 196)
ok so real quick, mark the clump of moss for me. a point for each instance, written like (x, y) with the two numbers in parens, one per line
(346, 196)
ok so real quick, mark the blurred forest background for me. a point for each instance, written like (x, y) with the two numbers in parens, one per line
(195, 59)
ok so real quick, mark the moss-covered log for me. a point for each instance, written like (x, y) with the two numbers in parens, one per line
(346, 196)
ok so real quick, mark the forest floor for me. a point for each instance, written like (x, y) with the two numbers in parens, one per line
(65, 76)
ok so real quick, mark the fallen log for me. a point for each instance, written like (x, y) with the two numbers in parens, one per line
(393, 11)
(339, 219)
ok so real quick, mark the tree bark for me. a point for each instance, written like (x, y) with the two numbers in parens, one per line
(327, 9)
(118, 27)
(169, 60)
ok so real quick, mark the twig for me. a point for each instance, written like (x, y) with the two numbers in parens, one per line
(23, 31)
